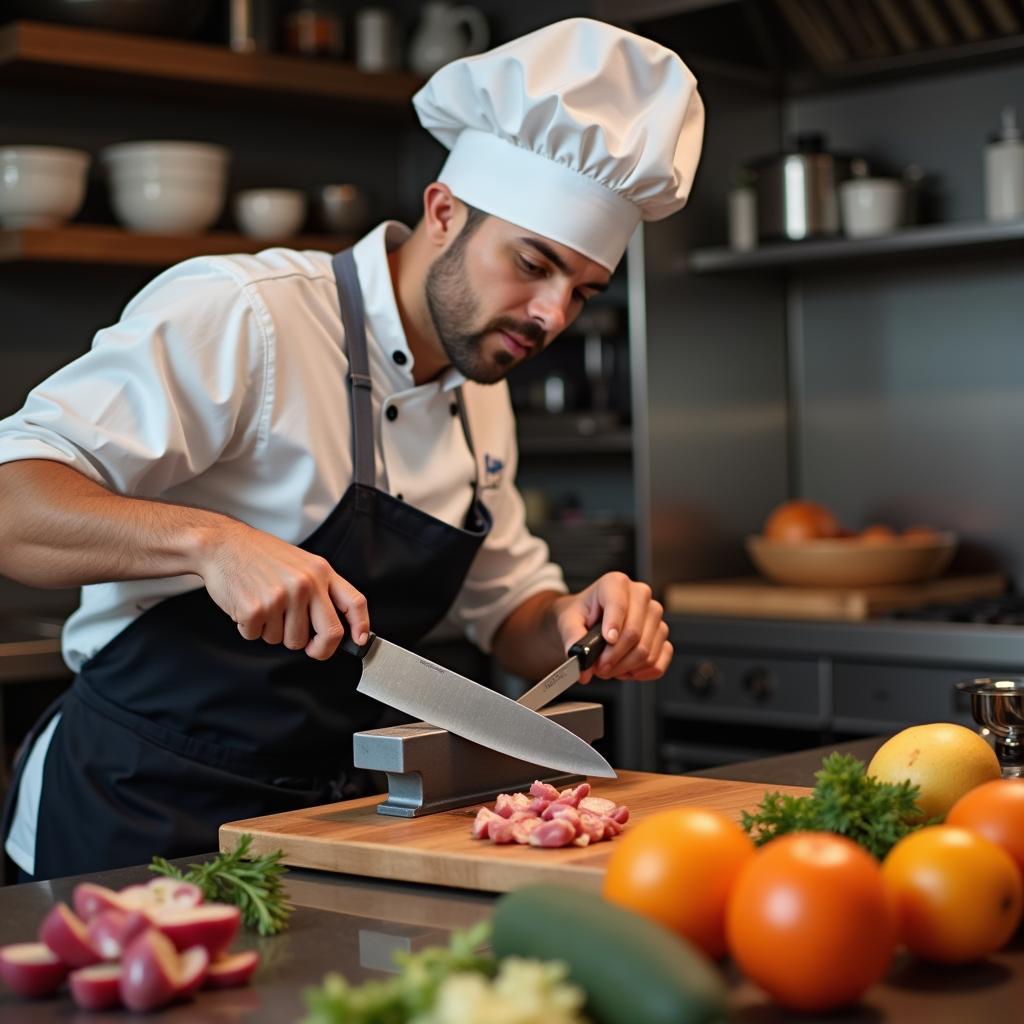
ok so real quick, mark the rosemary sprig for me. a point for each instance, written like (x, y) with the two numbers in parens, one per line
(253, 885)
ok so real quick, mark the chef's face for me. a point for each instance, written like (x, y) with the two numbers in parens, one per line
(498, 295)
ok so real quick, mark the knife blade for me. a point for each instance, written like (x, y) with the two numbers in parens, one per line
(434, 694)
(582, 655)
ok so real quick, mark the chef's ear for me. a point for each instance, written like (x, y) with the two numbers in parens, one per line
(443, 214)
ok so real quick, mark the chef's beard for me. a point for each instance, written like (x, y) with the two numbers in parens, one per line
(454, 309)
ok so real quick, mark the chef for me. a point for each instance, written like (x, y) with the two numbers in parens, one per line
(270, 451)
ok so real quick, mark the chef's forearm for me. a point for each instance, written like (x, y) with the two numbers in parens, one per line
(527, 642)
(61, 529)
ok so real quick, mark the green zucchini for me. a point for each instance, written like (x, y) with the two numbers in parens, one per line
(633, 970)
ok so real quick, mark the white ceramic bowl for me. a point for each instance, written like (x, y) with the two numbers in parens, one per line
(871, 206)
(40, 186)
(270, 212)
(344, 207)
(167, 187)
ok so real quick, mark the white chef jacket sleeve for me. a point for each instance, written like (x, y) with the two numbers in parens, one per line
(161, 395)
(513, 564)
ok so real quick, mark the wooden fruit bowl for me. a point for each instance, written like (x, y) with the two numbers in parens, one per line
(852, 562)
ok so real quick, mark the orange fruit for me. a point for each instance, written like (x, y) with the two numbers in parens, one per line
(957, 895)
(877, 533)
(799, 520)
(809, 921)
(946, 760)
(677, 868)
(994, 810)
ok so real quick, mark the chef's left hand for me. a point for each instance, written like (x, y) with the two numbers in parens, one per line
(632, 623)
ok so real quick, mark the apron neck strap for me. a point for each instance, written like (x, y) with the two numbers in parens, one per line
(360, 385)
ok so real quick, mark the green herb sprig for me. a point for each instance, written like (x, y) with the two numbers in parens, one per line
(253, 885)
(845, 800)
(410, 993)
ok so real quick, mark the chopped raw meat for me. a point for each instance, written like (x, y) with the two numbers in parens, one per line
(557, 832)
(545, 817)
(597, 804)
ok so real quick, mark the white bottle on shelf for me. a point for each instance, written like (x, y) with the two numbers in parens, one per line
(1004, 170)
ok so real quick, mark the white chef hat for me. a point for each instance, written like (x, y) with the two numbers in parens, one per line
(576, 132)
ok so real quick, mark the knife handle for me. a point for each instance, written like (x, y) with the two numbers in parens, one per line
(349, 646)
(589, 649)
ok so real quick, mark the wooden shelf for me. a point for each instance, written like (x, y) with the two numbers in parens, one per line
(931, 238)
(101, 243)
(42, 54)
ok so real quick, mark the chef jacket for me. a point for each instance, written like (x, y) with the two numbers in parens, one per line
(224, 387)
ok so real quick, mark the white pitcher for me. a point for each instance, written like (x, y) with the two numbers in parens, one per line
(444, 34)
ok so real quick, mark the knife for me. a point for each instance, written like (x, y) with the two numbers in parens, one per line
(582, 655)
(434, 694)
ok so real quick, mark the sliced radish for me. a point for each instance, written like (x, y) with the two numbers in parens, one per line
(232, 971)
(150, 972)
(97, 987)
(65, 933)
(90, 899)
(212, 925)
(31, 969)
(110, 931)
(194, 963)
(162, 892)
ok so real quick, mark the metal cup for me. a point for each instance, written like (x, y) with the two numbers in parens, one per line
(998, 706)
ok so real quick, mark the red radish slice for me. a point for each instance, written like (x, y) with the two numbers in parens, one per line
(90, 900)
(150, 972)
(194, 964)
(162, 892)
(65, 933)
(232, 971)
(97, 987)
(111, 931)
(31, 969)
(212, 925)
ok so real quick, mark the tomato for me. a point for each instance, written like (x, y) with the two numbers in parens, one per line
(809, 921)
(958, 896)
(677, 868)
(800, 520)
(994, 810)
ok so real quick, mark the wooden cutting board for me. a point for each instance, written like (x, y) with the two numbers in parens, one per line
(438, 849)
(757, 598)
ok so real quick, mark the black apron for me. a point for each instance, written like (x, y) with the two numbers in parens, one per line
(179, 725)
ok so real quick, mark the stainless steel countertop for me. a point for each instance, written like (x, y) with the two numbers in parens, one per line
(349, 924)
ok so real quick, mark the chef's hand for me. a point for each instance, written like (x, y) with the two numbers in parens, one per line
(279, 593)
(632, 623)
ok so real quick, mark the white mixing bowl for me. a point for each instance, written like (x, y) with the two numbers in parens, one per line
(167, 187)
(270, 212)
(40, 186)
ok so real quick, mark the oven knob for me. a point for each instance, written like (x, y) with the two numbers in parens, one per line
(703, 678)
(759, 683)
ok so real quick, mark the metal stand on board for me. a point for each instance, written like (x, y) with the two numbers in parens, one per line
(431, 770)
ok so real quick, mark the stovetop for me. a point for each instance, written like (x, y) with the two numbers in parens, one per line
(1004, 610)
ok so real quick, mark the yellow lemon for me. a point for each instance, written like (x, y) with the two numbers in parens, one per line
(944, 759)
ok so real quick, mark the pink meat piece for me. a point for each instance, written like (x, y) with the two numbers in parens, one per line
(521, 830)
(523, 816)
(620, 814)
(611, 828)
(565, 812)
(557, 832)
(538, 805)
(483, 817)
(544, 791)
(503, 805)
(597, 804)
(501, 830)
(574, 794)
(592, 826)
(553, 810)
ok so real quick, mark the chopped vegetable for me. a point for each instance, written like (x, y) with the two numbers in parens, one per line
(846, 801)
(254, 886)
(411, 994)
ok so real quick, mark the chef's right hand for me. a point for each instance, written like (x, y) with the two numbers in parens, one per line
(279, 593)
